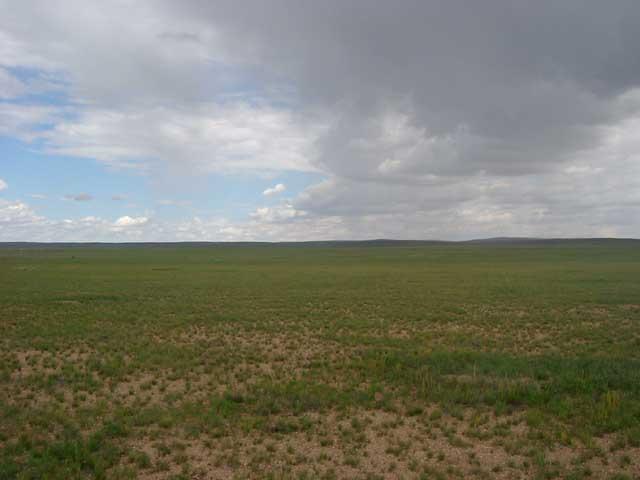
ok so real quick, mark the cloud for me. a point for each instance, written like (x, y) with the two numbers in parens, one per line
(118, 198)
(128, 221)
(518, 82)
(164, 98)
(207, 138)
(25, 121)
(80, 197)
(3, 185)
(16, 214)
(19, 222)
(276, 189)
(276, 214)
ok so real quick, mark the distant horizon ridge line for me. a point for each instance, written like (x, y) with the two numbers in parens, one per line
(495, 240)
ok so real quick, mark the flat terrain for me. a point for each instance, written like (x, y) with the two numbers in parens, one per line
(400, 361)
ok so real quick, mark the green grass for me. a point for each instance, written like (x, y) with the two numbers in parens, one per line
(226, 350)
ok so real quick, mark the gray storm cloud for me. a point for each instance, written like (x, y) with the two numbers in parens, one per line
(502, 87)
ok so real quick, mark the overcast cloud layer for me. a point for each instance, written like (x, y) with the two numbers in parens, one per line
(441, 119)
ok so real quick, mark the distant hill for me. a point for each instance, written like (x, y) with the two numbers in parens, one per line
(495, 241)
(549, 241)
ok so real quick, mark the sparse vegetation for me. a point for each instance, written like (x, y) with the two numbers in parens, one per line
(466, 361)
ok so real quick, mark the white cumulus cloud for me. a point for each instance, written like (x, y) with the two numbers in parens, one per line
(209, 137)
(277, 214)
(128, 221)
(276, 189)
(17, 214)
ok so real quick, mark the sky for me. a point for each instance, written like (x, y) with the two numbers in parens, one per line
(292, 120)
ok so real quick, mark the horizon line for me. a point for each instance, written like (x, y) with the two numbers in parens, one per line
(280, 242)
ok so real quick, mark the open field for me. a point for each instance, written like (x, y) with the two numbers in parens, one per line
(406, 361)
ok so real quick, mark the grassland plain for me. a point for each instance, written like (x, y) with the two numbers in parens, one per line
(405, 361)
